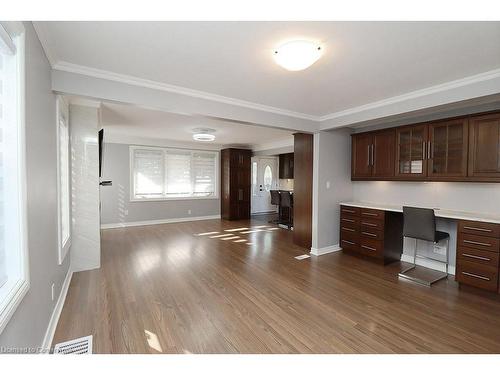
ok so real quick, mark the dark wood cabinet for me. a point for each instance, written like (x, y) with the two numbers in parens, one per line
(302, 191)
(447, 149)
(373, 154)
(235, 184)
(464, 148)
(484, 147)
(286, 166)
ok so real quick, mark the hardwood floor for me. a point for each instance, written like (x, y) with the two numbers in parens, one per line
(209, 287)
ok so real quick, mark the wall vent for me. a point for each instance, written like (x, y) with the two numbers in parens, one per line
(82, 345)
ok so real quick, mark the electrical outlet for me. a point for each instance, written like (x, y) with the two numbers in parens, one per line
(189, 212)
(126, 212)
(52, 291)
(328, 184)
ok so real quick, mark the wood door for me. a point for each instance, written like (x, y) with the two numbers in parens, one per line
(361, 155)
(447, 150)
(484, 146)
(302, 191)
(411, 146)
(383, 150)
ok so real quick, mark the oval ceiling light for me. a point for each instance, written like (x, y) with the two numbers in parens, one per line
(297, 54)
(203, 135)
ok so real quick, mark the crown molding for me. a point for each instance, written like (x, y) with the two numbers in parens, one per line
(273, 145)
(481, 77)
(43, 37)
(141, 82)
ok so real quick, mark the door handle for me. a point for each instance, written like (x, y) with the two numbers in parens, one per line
(477, 243)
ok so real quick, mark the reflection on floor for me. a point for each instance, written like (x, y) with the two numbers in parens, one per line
(235, 287)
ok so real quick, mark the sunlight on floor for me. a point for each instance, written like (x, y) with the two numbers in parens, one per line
(153, 341)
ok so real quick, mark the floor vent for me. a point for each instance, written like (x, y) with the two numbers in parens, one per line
(82, 345)
(300, 257)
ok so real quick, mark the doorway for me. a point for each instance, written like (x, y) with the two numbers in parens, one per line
(264, 179)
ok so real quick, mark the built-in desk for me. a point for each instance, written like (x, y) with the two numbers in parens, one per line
(375, 230)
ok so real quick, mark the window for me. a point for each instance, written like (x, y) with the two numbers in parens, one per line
(64, 194)
(165, 173)
(268, 178)
(14, 281)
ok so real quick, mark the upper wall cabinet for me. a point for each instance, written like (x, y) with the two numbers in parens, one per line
(373, 155)
(484, 147)
(457, 149)
(411, 151)
(286, 166)
(447, 149)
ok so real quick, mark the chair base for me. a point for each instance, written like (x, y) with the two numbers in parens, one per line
(405, 274)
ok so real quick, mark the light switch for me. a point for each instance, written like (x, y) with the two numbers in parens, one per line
(328, 184)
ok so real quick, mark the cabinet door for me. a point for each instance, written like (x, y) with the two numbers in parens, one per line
(484, 146)
(448, 149)
(361, 155)
(383, 153)
(411, 145)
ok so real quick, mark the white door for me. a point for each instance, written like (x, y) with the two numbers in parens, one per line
(264, 179)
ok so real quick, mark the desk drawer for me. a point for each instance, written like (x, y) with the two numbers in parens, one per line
(348, 227)
(349, 245)
(478, 242)
(371, 234)
(479, 228)
(372, 214)
(371, 224)
(349, 211)
(487, 258)
(350, 236)
(371, 247)
(349, 220)
(477, 275)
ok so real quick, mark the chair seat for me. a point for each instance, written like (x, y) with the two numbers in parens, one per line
(440, 236)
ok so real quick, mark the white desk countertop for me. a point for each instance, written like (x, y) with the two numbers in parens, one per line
(440, 212)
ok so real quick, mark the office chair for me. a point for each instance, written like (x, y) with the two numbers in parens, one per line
(420, 224)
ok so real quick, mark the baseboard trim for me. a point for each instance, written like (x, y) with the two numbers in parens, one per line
(325, 250)
(56, 313)
(428, 264)
(155, 222)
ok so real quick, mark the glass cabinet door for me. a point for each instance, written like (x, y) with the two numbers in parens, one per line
(411, 143)
(448, 148)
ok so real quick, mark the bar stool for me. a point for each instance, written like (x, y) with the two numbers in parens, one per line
(276, 201)
(420, 224)
(287, 202)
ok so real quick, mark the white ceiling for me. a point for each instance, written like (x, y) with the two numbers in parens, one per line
(363, 62)
(133, 122)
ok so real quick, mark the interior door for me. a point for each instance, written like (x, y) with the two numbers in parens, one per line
(264, 179)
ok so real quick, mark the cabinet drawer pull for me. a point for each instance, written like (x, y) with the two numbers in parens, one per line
(369, 224)
(477, 243)
(369, 234)
(476, 276)
(348, 229)
(349, 211)
(348, 220)
(479, 229)
(349, 242)
(368, 248)
(369, 214)
(475, 257)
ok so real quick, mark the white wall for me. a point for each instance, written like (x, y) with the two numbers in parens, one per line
(332, 166)
(116, 207)
(27, 326)
(85, 242)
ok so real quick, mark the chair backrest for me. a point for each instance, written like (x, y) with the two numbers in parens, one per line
(286, 199)
(275, 197)
(419, 223)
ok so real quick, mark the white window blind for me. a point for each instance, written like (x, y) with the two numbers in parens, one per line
(14, 282)
(64, 180)
(161, 173)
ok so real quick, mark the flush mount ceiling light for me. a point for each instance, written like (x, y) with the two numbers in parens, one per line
(204, 134)
(297, 54)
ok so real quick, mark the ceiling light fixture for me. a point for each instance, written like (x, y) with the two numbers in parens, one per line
(203, 135)
(297, 54)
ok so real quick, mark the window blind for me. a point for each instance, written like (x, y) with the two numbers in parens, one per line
(3, 260)
(173, 173)
(148, 173)
(64, 180)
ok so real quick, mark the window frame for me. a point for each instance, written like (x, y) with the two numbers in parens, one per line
(133, 198)
(62, 111)
(21, 286)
